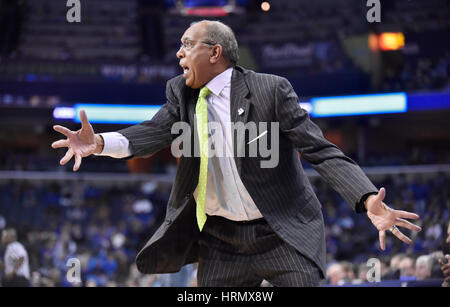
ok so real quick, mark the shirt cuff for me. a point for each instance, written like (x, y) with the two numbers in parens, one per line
(115, 145)
(360, 207)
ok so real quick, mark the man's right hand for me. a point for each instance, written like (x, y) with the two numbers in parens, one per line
(81, 143)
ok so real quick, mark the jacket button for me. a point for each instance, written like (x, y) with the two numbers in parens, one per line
(169, 221)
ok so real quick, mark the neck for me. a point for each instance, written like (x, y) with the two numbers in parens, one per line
(218, 70)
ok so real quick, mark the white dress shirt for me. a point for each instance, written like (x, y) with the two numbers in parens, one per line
(226, 195)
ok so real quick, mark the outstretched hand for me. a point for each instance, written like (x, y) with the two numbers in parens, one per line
(81, 143)
(385, 218)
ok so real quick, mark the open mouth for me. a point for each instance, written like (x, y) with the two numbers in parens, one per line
(185, 69)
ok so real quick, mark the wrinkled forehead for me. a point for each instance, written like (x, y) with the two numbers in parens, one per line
(195, 32)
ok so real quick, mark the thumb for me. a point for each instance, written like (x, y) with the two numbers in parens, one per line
(381, 194)
(84, 119)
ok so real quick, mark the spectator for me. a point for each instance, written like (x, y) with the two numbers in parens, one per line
(436, 272)
(336, 274)
(407, 269)
(17, 270)
(394, 267)
(349, 271)
(423, 267)
(363, 269)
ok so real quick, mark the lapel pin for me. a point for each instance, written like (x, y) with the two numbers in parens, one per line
(240, 111)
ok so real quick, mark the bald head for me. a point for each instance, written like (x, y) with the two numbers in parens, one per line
(219, 33)
(9, 235)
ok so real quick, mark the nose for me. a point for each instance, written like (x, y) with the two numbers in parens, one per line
(180, 53)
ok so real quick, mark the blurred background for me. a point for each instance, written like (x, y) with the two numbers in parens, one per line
(394, 121)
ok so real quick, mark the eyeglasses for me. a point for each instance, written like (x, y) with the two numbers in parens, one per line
(189, 44)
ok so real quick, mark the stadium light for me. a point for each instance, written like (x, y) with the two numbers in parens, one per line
(359, 105)
(265, 6)
(391, 41)
(115, 114)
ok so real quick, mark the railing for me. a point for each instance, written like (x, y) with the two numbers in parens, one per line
(396, 283)
(69, 176)
(129, 177)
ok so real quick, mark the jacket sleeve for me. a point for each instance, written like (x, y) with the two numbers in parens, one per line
(338, 170)
(150, 136)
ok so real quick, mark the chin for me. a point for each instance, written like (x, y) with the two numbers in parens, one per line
(193, 86)
(188, 83)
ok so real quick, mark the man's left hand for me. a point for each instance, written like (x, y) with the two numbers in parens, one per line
(385, 218)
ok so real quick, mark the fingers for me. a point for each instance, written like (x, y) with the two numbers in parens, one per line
(396, 232)
(67, 157)
(77, 162)
(84, 119)
(69, 154)
(382, 236)
(60, 143)
(406, 215)
(404, 223)
(63, 130)
(381, 194)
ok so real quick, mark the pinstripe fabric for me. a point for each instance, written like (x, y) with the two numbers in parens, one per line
(243, 254)
(282, 194)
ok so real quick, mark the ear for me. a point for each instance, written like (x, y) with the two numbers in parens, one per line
(216, 54)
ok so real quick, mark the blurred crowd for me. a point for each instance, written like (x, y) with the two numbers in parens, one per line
(423, 74)
(103, 226)
(352, 241)
(424, 270)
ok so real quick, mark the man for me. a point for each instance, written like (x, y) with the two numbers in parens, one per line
(17, 269)
(407, 269)
(423, 267)
(336, 274)
(393, 272)
(242, 222)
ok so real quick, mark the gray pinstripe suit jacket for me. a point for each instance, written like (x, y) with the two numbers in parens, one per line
(283, 194)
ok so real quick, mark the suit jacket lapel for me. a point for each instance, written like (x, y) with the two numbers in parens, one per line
(239, 109)
(191, 99)
(191, 102)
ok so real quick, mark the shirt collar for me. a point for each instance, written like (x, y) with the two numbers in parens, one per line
(219, 82)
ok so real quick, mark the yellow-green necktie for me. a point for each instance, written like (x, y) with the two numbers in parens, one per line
(201, 113)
